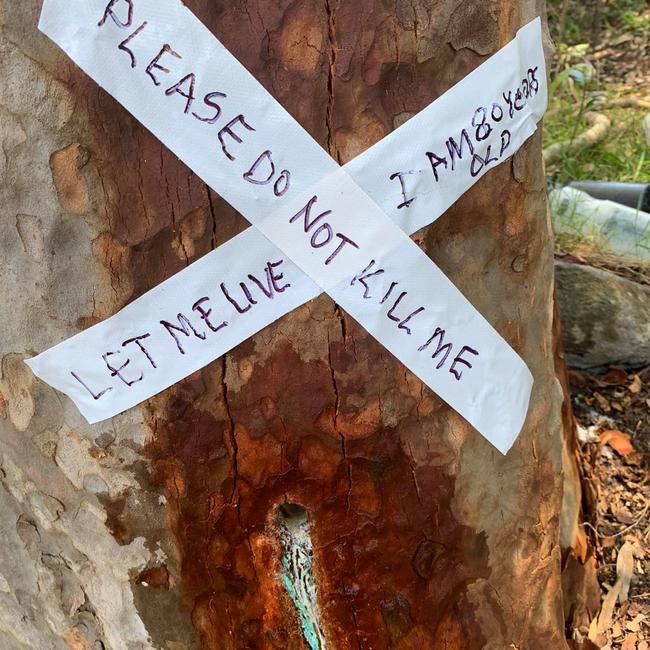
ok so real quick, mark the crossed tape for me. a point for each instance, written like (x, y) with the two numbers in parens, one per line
(314, 226)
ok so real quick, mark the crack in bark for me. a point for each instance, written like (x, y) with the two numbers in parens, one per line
(231, 433)
(416, 23)
(353, 613)
(336, 413)
(394, 22)
(419, 404)
(167, 190)
(213, 237)
(107, 201)
(145, 212)
(413, 474)
(331, 10)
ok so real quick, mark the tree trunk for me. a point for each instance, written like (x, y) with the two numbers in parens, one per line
(306, 490)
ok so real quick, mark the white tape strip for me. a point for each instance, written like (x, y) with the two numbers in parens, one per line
(90, 367)
(176, 328)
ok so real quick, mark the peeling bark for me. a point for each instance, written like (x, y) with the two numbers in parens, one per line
(164, 528)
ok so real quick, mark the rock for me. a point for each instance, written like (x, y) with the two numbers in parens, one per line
(605, 318)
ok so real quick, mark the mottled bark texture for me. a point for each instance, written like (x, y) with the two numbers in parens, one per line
(161, 528)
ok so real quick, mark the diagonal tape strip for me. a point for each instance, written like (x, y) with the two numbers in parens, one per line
(493, 395)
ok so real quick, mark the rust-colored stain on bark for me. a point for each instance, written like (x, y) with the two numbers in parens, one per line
(390, 561)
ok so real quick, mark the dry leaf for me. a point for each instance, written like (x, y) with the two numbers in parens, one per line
(617, 440)
(629, 642)
(623, 38)
(635, 624)
(635, 386)
(614, 377)
(607, 609)
(622, 514)
(579, 378)
(608, 542)
(602, 402)
(624, 571)
(643, 646)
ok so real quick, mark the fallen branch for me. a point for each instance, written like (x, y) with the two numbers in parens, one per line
(629, 101)
(599, 124)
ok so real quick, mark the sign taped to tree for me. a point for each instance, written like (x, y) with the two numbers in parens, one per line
(316, 226)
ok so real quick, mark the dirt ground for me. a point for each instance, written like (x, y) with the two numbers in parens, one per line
(613, 416)
(611, 407)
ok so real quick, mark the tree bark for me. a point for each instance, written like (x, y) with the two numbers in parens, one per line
(169, 526)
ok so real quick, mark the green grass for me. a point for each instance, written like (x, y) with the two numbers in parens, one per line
(586, 18)
(622, 156)
(635, 20)
(624, 153)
